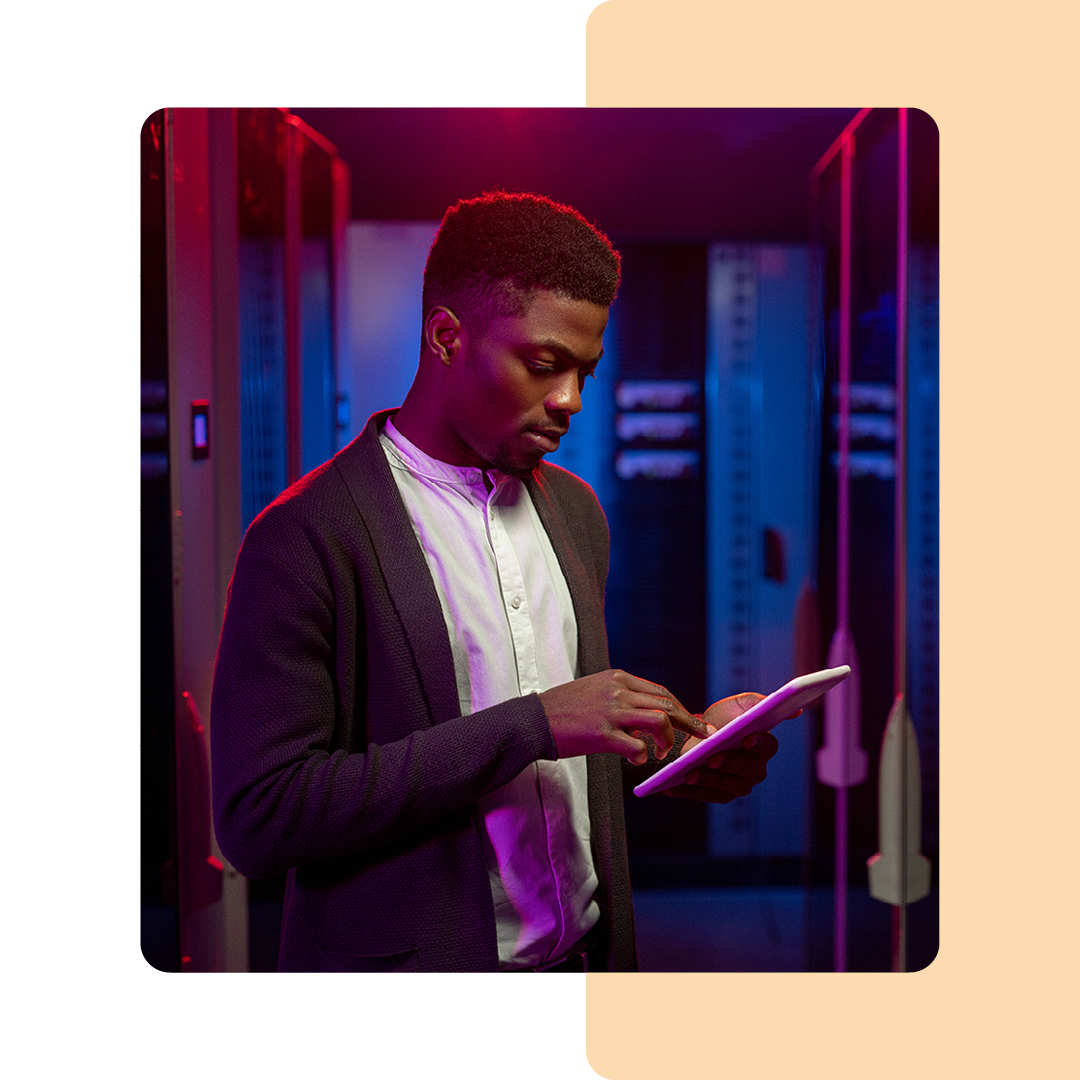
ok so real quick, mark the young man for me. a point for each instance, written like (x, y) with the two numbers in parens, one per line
(413, 709)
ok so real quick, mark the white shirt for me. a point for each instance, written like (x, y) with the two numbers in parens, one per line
(512, 632)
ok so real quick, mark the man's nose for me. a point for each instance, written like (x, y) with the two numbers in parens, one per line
(565, 396)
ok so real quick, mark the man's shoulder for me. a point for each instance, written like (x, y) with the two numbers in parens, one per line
(331, 495)
(563, 484)
(570, 500)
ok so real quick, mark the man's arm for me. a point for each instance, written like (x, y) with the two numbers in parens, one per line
(298, 778)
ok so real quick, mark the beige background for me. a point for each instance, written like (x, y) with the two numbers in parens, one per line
(1000, 998)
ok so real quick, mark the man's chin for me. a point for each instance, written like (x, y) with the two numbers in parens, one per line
(516, 464)
(516, 468)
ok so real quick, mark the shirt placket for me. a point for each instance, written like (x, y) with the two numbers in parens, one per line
(550, 782)
(515, 600)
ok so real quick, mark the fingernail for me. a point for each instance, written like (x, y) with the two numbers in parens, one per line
(751, 742)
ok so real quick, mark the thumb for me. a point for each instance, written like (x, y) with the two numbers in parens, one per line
(727, 709)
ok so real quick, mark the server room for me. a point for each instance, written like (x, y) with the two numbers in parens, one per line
(761, 434)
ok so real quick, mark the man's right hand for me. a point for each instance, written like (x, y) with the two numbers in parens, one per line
(609, 712)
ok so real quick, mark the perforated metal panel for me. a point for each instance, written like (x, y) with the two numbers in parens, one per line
(760, 532)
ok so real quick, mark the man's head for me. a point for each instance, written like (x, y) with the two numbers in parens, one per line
(516, 298)
(493, 252)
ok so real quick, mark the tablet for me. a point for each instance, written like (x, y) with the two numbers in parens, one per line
(766, 714)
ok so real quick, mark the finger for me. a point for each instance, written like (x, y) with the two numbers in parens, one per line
(636, 751)
(680, 717)
(689, 723)
(738, 767)
(704, 793)
(649, 724)
(658, 751)
(742, 777)
(683, 720)
(729, 774)
(638, 710)
(761, 743)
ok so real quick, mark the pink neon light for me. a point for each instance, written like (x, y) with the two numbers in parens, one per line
(900, 527)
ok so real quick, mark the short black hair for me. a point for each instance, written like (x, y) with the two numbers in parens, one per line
(493, 252)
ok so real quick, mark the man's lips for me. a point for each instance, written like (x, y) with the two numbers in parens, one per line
(547, 438)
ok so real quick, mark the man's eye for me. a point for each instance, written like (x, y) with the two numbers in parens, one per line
(541, 366)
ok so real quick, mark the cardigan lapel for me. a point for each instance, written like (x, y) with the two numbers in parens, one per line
(584, 593)
(603, 771)
(367, 475)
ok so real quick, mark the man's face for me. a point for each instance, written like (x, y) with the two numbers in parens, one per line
(515, 387)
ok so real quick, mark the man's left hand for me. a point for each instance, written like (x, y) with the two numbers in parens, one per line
(730, 773)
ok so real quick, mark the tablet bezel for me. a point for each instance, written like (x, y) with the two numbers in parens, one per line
(800, 692)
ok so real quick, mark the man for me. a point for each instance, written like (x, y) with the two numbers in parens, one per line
(413, 709)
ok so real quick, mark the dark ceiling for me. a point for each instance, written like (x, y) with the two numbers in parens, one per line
(642, 174)
(648, 174)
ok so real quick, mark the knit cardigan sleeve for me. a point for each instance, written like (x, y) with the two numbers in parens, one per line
(324, 742)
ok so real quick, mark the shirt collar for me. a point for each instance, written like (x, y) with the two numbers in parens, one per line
(428, 468)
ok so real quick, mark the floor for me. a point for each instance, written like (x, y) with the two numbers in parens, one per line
(772, 929)
(695, 929)
(720, 929)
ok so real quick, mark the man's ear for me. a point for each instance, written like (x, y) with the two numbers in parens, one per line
(442, 334)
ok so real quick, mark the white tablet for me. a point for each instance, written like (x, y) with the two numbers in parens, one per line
(766, 714)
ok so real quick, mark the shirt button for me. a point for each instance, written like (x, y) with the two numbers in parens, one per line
(516, 603)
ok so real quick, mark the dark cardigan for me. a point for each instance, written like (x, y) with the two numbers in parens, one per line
(338, 752)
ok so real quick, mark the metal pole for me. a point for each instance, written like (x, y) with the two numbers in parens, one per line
(900, 525)
(293, 359)
(840, 867)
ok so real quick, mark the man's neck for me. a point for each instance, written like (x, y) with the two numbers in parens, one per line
(424, 426)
